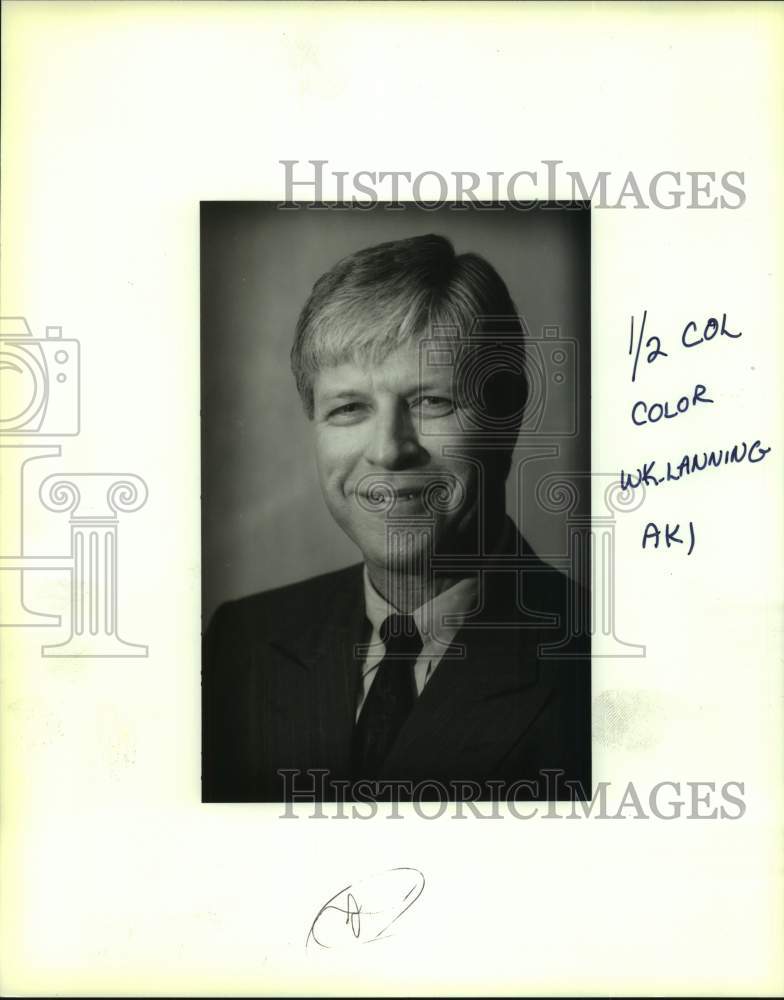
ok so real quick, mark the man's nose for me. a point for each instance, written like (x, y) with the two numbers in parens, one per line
(394, 442)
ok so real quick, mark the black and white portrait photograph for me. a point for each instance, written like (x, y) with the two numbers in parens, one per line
(388, 399)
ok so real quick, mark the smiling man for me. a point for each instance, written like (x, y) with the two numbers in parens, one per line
(425, 666)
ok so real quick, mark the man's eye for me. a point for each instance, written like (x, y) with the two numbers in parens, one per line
(434, 406)
(345, 413)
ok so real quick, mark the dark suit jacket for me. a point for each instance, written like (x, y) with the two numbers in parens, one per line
(280, 681)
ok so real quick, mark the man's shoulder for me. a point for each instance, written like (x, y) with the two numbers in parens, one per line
(289, 603)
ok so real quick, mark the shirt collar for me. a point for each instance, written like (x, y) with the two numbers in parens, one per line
(458, 599)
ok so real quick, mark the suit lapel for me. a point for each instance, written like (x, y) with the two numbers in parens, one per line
(319, 660)
(476, 706)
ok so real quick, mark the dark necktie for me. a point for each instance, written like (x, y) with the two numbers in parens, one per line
(390, 698)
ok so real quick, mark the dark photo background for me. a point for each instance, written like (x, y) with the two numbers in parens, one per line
(264, 523)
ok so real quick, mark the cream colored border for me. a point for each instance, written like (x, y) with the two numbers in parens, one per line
(118, 118)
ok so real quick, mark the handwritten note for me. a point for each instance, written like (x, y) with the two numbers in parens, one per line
(655, 352)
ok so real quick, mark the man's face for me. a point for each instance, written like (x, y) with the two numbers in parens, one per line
(384, 436)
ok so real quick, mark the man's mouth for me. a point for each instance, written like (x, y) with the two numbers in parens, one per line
(381, 495)
(409, 493)
(377, 495)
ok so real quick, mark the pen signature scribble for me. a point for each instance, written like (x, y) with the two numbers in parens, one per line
(364, 911)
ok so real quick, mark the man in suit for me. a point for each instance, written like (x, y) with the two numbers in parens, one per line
(437, 667)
